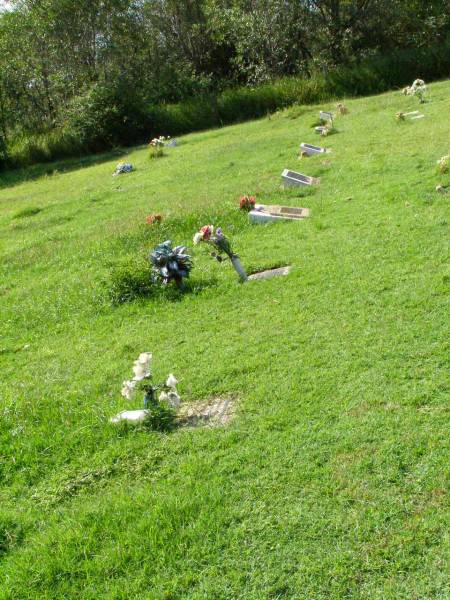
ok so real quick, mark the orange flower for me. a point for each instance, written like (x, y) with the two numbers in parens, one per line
(151, 219)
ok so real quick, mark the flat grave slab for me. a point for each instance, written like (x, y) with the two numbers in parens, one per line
(215, 412)
(413, 115)
(312, 150)
(320, 129)
(263, 213)
(293, 179)
(270, 273)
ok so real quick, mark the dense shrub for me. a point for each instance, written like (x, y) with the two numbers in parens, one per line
(105, 117)
(30, 149)
(382, 72)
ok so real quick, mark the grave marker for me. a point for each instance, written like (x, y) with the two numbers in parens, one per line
(270, 273)
(312, 150)
(263, 213)
(293, 179)
(326, 116)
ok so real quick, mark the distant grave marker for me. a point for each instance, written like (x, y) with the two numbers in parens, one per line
(263, 213)
(312, 150)
(413, 115)
(293, 179)
(172, 144)
(326, 116)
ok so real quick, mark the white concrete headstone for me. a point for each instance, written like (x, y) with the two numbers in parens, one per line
(326, 116)
(311, 150)
(263, 213)
(293, 179)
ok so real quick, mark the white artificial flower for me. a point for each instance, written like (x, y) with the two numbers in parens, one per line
(173, 399)
(163, 397)
(128, 389)
(171, 381)
(141, 366)
(145, 357)
(198, 237)
(140, 371)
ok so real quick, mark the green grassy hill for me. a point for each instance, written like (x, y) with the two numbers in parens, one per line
(330, 481)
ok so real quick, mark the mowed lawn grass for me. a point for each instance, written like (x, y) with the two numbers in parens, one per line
(330, 481)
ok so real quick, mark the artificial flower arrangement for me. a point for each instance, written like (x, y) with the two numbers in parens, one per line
(123, 168)
(170, 264)
(327, 129)
(154, 405)
(444, 164)
(418, 88)
(222, 247)
(442, 190)
(247, 203)
(156, 146)
(342, 109)
(152, 219)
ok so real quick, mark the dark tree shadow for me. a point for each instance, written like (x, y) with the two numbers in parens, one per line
(17, 176)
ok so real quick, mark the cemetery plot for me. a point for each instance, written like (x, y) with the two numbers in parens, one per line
(291, 178)
(265, 213)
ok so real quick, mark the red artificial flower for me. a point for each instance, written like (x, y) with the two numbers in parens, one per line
(247, 202)
(151, 219)
(206, 230)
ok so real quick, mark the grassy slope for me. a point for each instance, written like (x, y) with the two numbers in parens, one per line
(330, 482)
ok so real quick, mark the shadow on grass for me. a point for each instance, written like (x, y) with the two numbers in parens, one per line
(259, 268)
(128, 286)
(15, 177)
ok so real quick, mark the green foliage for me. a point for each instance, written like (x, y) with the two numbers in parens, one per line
(28, 149)
(118, 72)
(161, 417)
(129, 280)
(105, 117)
(386, 71)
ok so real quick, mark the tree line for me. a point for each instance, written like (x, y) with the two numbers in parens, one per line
(64, 61)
